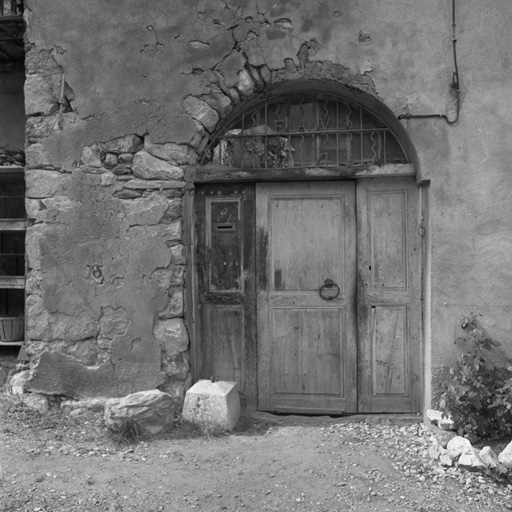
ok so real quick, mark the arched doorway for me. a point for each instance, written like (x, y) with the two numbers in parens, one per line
(308, 256)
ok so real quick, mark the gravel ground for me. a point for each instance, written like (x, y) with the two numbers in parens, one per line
(57, 463)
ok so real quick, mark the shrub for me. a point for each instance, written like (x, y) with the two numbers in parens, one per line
(479, 396)
(128, 433)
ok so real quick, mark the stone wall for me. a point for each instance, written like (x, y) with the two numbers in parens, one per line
(118, 114)
(106, 272)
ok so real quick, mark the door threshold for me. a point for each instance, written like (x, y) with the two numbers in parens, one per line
(394, 419)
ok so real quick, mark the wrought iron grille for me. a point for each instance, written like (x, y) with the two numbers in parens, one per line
(305, 130)
(11, 7)
(12, 254)
(12, 196)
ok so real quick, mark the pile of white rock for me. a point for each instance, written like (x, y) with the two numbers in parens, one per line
(453, 450)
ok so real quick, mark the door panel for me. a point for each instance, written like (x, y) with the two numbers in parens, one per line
(225, 337)
(300, 228)
(388, 296)
(306, 344)
(226, 345)
(388, 233)
(389, 350)
(307, 361)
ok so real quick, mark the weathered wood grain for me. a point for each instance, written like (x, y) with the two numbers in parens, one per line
(388, 296)
(307, 349)
(225, 345)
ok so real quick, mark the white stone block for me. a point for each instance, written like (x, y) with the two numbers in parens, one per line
(18, 382)
(471, 461)
(489, 457)
(212, 404)
(458, 446)
(444, 422)
(505, 457)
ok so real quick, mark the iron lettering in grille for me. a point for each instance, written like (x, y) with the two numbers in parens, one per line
(305, 131)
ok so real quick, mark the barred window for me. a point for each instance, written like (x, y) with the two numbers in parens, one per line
(12, 195)
(11, 7)
(12, 252)
(305, 130)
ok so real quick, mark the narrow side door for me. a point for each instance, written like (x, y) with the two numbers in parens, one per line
(389, 278)
(226, 344)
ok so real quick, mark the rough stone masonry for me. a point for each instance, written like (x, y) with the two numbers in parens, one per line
(106, 249)
(118, 115)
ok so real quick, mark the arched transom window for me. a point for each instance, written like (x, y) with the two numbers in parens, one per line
(303, 130)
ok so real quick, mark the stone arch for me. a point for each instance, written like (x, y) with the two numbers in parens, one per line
(278, 86)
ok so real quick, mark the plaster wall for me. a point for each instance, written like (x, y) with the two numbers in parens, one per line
(143, 90)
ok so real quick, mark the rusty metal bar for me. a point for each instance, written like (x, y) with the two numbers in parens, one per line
(304, 135)
(316, 132)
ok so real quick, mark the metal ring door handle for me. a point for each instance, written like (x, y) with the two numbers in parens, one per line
(331, 287)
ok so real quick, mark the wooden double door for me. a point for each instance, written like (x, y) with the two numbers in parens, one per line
(308, 294)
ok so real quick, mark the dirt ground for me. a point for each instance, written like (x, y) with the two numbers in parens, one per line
(57, 463)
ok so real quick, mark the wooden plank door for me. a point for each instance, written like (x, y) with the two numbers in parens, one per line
(226, 345)
(388, 296)
(307, 352)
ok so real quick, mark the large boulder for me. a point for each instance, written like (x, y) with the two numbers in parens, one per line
(458, 446)
(505, 457)
(152, 411)
(441, 436)
(18, 381)
(471, 461)
(490, 459)
(442, 420)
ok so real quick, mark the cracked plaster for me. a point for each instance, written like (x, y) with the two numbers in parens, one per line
(134, 77)
(96, 300)
(231, 38)
(104, 249)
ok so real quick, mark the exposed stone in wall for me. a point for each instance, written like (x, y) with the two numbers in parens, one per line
(106, 270)
(106, 253)
(46, 90)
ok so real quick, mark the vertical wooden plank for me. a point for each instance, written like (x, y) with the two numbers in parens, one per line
(264, 343)
(388, 236)
(197, 259)
(389, 351)
(226, 340)
(303, 227)
(250, 356)
(414, 311)
(287, 334)
(323, 350)
(364, 310)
